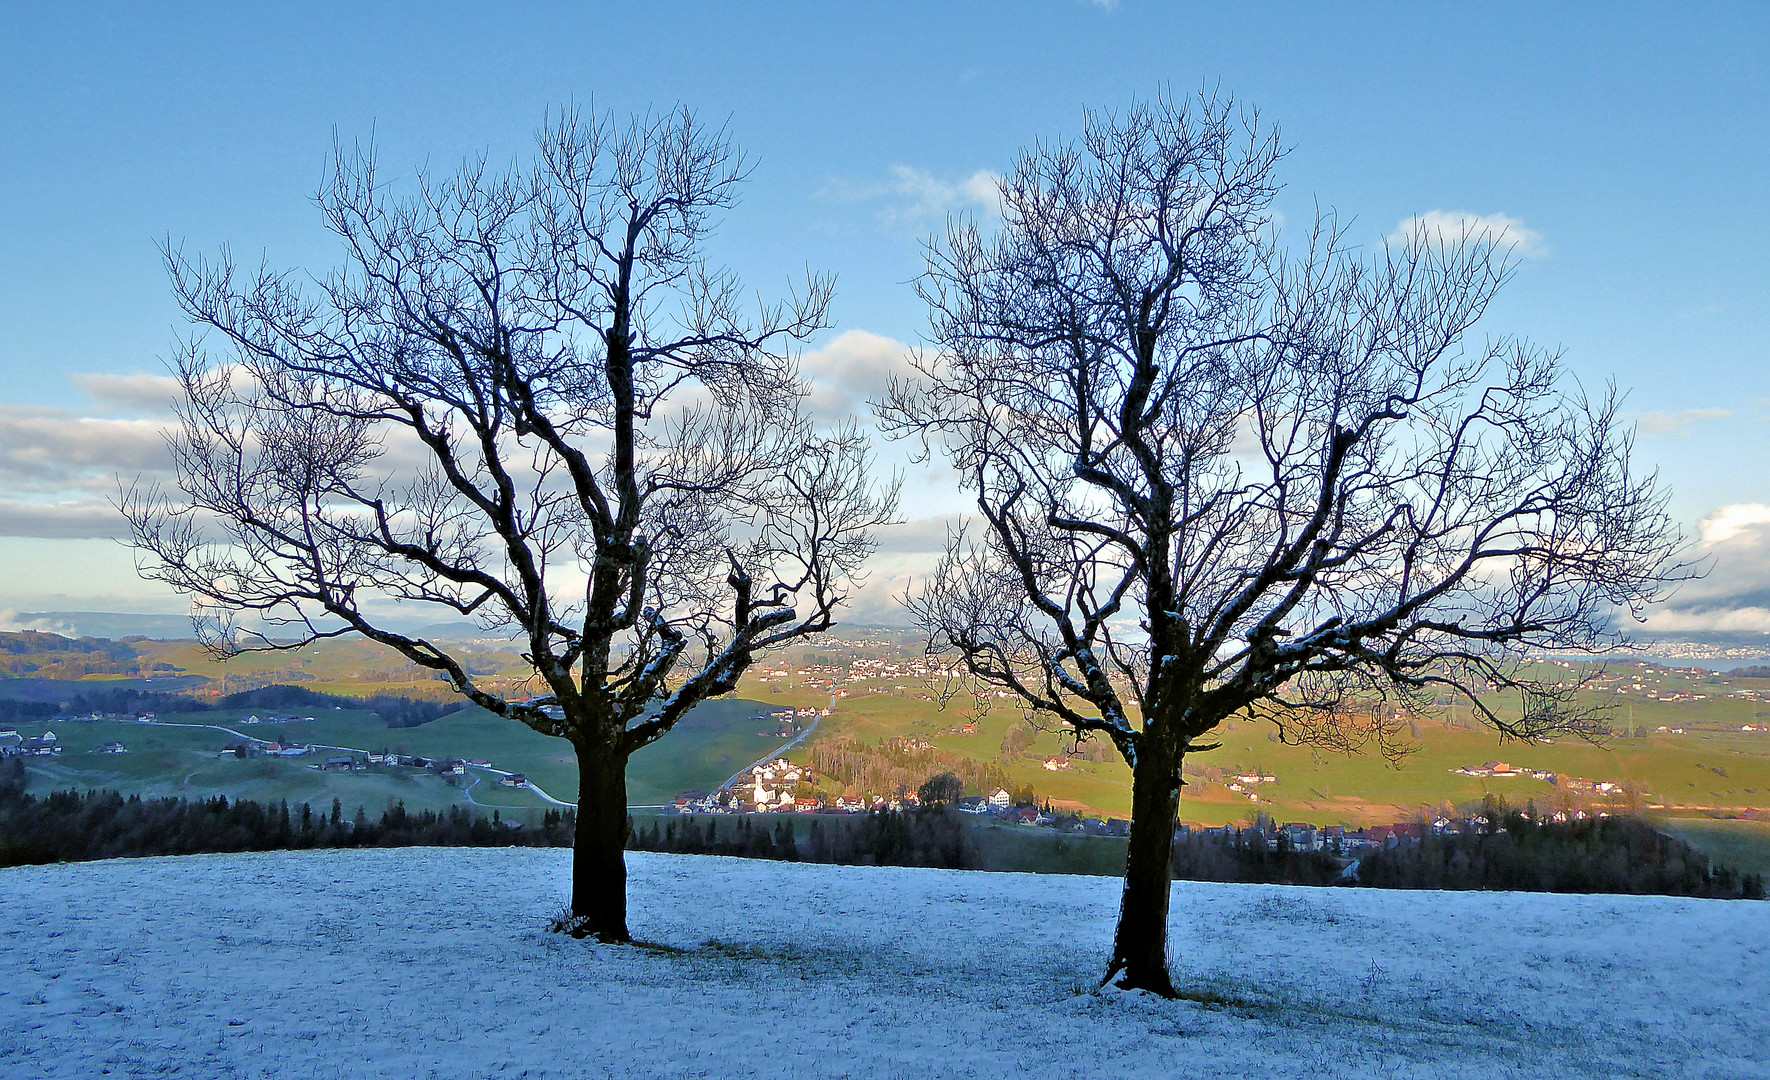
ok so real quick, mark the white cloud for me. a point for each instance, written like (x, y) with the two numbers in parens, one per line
(14, 622)
(851, 370)
(138, 394)
(915, 198)
(1731, 521)
(1746, 620)
(921, 536)
(1452, 225)
(1733, 597)
(1660, 422)
(56, 450)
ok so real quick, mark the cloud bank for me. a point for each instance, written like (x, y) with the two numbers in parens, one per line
(1733, 598)
(1660, 422)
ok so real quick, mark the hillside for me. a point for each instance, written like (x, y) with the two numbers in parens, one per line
(31, 654)
(430, 963)
(1688, 745)
(1685, 742)
(713, 741)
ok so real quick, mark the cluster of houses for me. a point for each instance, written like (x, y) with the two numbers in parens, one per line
(445, 766)
(1247, 783)
(260, 748)
(1333, 839)
(455, 766)
(772, 784)
(12, 744)
(1340, 840)
(789, 722)
(1576, 784)
(900, 674)
(775, 788)
(256, 719)
(110, 717)
(1502, 769)
(346, 762)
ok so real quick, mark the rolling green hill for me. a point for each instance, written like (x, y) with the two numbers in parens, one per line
(1678, 747)
(708, 745)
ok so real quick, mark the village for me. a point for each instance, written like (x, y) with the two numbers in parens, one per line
(780, 786)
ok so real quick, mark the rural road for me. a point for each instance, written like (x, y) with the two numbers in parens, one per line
(779, 750)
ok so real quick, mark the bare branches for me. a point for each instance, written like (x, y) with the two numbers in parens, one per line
(1286, 473)
(525, 398)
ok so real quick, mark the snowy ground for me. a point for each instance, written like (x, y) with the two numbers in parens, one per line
(435, 963)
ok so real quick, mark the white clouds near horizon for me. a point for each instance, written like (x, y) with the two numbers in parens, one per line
(1733, 596)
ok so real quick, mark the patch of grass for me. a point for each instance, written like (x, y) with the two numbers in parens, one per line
(1738, 843)
(1021, 849)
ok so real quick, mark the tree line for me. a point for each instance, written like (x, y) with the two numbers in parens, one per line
(71, 826)
(395, 712)
(926, 837)
(35, 654)
(1604, 855)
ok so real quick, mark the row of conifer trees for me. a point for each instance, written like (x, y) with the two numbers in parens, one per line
(70, 826)
(1596, 855)
(931, 836)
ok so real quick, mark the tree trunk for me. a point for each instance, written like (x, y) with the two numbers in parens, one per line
(1140, 947)
(599, 859)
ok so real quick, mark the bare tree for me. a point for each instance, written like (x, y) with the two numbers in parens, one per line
(525, 399)
(1217, 477)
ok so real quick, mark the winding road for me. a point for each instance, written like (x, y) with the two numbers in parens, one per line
(541, 793)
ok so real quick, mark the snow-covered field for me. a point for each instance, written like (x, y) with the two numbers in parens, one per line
(435, 963)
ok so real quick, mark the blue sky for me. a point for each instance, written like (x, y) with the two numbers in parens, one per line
(1627, 144)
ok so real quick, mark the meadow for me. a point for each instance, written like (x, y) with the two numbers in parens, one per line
(1701, 764)
(711, 743)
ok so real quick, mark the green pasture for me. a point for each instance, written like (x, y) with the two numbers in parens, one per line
(184, 762)
(344, 666)
(1741, 844)
(1712, 764)
(712, 742)
(1028, 850)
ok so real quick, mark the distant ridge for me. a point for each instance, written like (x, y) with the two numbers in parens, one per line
(162, 627)
(107, 624)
